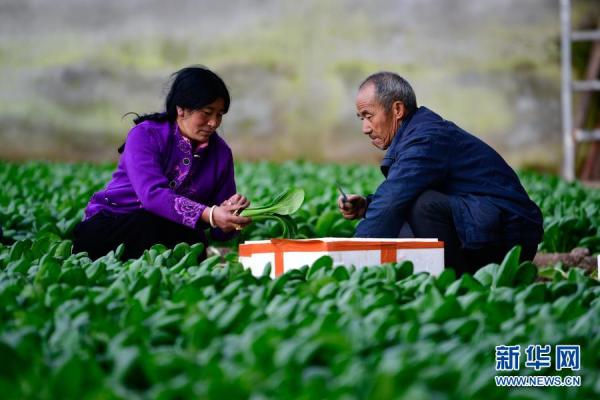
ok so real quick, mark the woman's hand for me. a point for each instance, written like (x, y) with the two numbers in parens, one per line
(224, 218)
(238, 202)
(354, 207)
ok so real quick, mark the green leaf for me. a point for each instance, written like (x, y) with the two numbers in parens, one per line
(485, 275)
(96, 272)
(286, 203)
(526, 274)
(319, 264)
(73, 277)
(63, 250)
(505, 275)
(289, 229)
(404, 270)
(145, 296)
(267, 270)
(191, 258)
(340, 273)
(18, 249)
(279, 210)
(465, 328)
(325, 223)
(119, 251)
(49, 270)
(445, 279)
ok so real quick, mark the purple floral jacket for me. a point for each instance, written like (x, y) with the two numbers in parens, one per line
(160, 172)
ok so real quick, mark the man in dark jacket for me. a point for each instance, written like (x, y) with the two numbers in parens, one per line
(440, 182)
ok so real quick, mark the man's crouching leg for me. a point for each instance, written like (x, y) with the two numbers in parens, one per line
(430, 216)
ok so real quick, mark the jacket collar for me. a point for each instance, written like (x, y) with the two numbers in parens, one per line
(390, 155)
(185, 145)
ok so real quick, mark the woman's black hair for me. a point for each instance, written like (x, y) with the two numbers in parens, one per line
(192, 88)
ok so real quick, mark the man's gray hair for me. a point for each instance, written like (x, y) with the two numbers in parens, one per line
(391, 87)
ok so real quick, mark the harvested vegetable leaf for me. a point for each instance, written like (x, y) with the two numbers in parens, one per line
(279, 209)
(285, 203)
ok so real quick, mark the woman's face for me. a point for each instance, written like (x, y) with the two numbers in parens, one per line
(198, 125)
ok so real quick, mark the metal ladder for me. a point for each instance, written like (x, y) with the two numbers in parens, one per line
(570, 136)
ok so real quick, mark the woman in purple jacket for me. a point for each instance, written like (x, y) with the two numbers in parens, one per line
(174, 179)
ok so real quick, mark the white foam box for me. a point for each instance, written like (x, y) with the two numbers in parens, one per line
(284, 255)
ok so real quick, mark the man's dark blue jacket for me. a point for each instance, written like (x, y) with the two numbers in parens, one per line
(488, 203)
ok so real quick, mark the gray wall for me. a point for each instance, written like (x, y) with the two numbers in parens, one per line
(71, 68)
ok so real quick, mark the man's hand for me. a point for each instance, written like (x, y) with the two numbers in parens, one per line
(354, 207)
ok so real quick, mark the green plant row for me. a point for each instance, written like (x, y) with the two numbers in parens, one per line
(165, 326)
(571, 212)
(42, 197)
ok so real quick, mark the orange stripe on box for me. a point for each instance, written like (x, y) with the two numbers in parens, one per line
(246, 250)
(278, 263)
(388, 254)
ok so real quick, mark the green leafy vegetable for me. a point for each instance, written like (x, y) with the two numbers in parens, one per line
(285, 203)
(279, 209)
(165, 326)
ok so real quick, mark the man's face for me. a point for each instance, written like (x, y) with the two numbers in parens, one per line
(381, 126)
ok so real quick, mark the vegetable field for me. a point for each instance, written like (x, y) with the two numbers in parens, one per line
(165, 326)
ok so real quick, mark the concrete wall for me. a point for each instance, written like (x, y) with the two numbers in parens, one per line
(71, 68)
